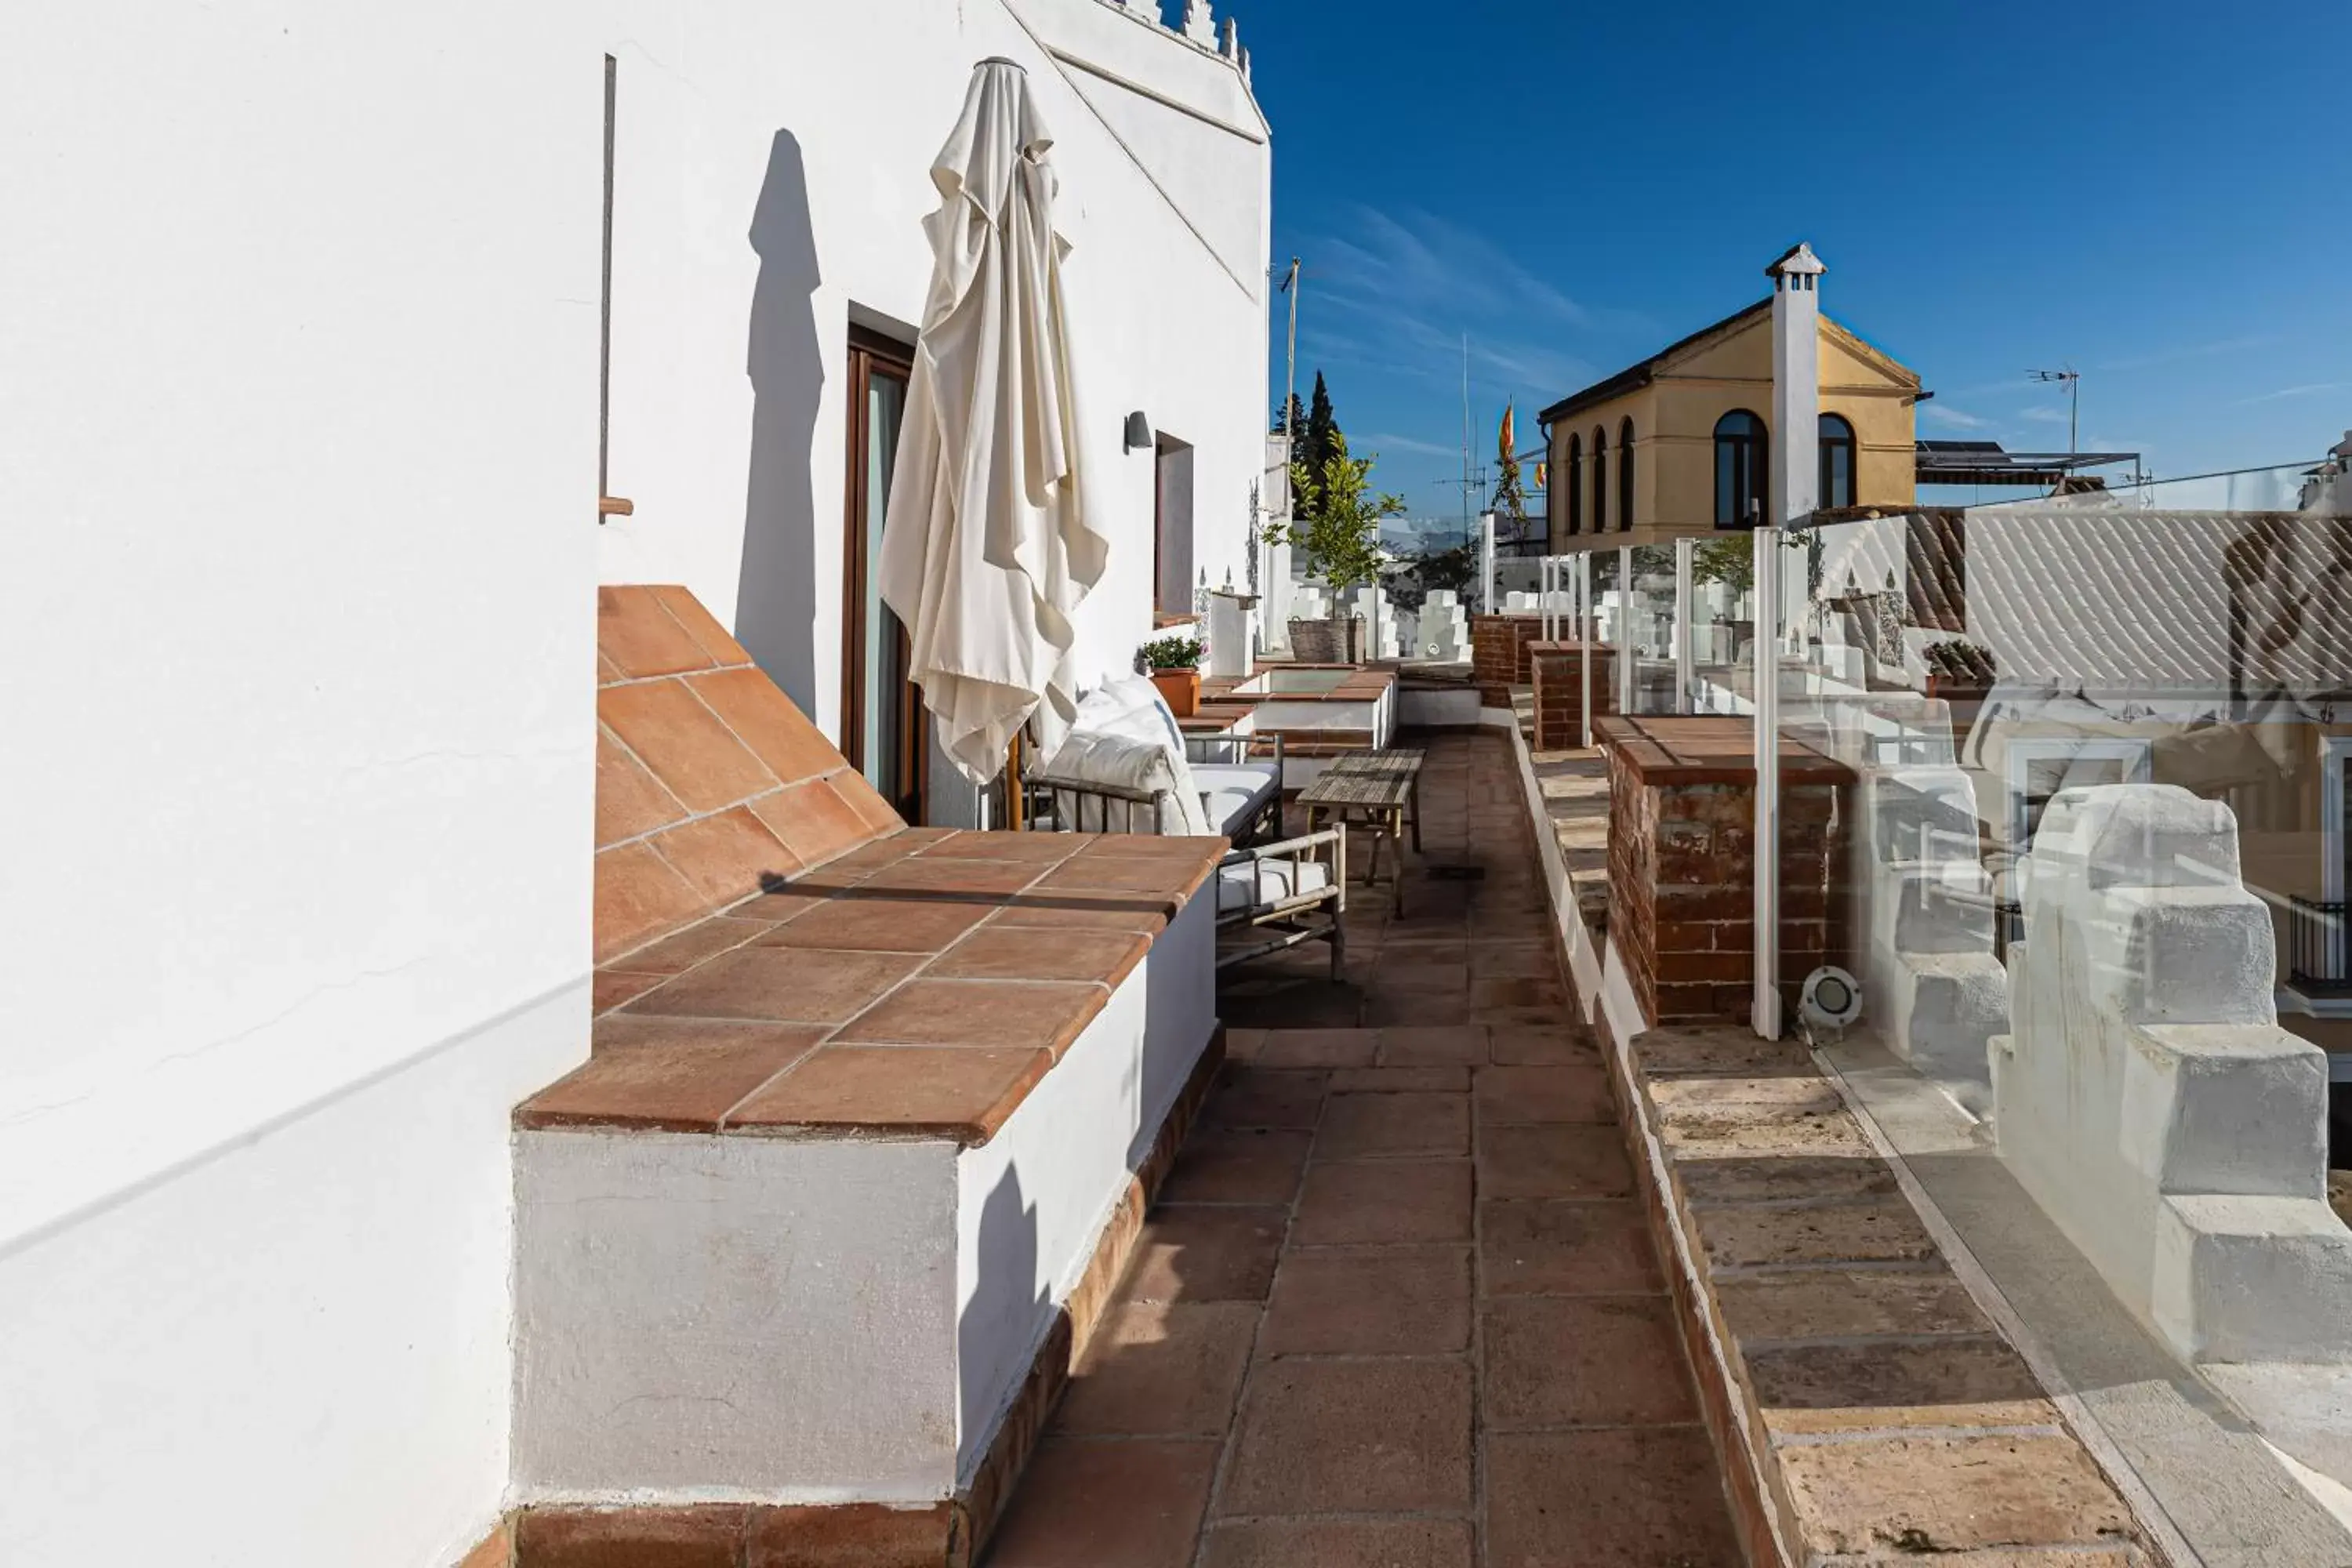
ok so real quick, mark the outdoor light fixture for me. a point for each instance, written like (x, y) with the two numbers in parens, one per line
(1139, 430)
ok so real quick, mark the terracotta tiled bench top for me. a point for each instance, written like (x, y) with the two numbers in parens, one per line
(919, 987)
(1363, 684)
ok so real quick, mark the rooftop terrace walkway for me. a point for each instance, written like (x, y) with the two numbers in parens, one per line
(1396, 1307)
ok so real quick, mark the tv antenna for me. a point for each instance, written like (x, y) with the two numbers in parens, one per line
(2072, 381)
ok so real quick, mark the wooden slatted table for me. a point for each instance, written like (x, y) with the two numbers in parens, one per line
(1380, 792)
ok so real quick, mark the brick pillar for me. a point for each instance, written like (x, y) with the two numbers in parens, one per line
(1557, 669)
(1498, 654)
(1681, 872)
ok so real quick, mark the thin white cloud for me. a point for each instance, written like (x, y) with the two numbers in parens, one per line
(1387, 443)
(1937, 414)
(2193, 351)
(2043, 415)
(2306, 390)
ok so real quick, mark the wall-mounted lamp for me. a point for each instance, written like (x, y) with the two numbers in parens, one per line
(1139, 430)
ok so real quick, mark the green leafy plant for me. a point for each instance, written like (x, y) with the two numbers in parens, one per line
(1173, 653)
(1342, 526)
(1731, 562)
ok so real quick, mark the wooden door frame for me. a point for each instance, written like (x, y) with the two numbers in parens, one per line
(867, 351)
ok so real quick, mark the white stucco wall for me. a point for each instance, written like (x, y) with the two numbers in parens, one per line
(299, 435)
(1032, 1201)
(772, 178)
(789, 1320)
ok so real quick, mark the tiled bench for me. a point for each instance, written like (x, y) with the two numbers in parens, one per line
(822, 1218)
(866, 1135)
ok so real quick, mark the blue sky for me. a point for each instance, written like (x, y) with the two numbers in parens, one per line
(2156, 192)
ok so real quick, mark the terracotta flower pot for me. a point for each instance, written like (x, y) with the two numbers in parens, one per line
(1181, 688)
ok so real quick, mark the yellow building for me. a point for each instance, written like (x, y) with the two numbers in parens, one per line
(1680, 444)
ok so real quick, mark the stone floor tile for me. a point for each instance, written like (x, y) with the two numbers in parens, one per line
(1500, 960)
(1341, 1543)
(1205, 1253)
(1372, 1126)
(1093, 1504)
(1936, 1374)
(1357, 1202)
(1374, 1301)
(1351, 1436)
(1626, 1498)
(1244, 1045)
(1762, 1179)
(1411, 1009)
(1838, 1303)
(1159, 1370)
(1545, 1248)
(1400, 1080)
(1318, 1049)
(1536, 1045)
(1238, 1165)
(1433, 1045)
(1575, 1092)
(1588, 1361)
(1553, 1160)
(1517, 990)
(1942, 1494)
(1881, 1232)
(1266, 1097)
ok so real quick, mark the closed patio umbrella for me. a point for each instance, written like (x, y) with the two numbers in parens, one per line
(988, 547)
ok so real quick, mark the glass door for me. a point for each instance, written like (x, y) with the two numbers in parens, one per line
(881, 728)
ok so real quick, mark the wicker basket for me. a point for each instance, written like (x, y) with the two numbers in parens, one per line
(1339, 640)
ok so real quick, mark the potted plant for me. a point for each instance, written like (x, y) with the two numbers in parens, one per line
(1340, 531)
(1175, 663)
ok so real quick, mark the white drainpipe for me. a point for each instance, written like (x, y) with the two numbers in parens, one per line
(1796, 457)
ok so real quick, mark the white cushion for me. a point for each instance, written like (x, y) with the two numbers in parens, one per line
(1232, 792)
(1131, 708)
(1089, 757)
(1255, 884)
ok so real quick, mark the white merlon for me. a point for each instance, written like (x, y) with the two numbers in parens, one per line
(2145, 1094)
(1924, 909)
(1198, 24)
(1231, 47)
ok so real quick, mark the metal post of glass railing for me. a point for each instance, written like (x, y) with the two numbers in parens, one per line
(1685, 559)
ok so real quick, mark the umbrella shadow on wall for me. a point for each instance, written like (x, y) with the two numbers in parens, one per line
(776, 613)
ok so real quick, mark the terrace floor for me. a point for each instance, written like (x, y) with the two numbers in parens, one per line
(1396, 1307)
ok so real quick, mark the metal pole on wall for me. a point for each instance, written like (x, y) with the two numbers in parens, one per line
(1764, 1014)
(1685, 557)
(1584, 636)
(1626, 652)
(1487, 564)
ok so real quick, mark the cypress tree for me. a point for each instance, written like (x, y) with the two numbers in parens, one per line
(1321, 442)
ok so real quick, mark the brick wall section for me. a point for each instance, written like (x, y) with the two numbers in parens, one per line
(1559, 679)
(1498, 654)
(1682, 864)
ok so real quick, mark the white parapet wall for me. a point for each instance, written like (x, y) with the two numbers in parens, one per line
(798, 1319)
(1922, 911)
(2146, 1096)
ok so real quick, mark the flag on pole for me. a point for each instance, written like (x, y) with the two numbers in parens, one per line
(1508, 443)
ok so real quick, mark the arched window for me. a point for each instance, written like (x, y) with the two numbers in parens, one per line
(1838, 455)
(1625, 474)
(1742, 460)
(1575, 485)
(1600, 479)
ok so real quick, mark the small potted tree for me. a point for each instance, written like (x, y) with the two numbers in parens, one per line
(1341, 531)
(1175, 664)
